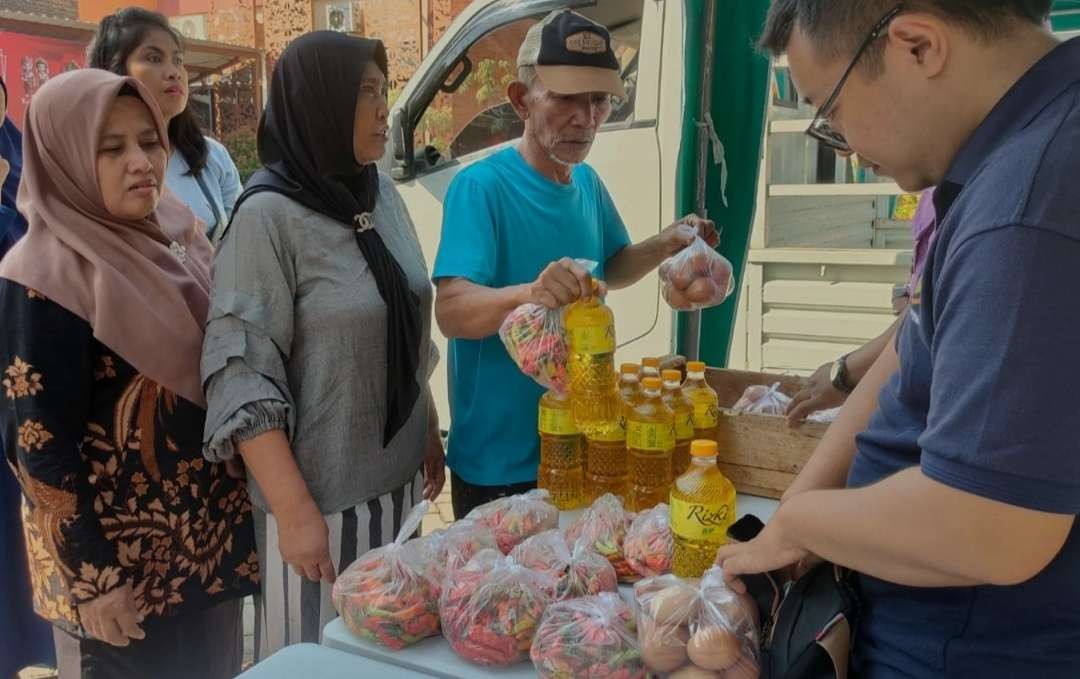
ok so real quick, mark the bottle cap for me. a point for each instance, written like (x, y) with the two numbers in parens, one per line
(629, 369)
(672, 376)
(696, 366)
(703, 448)
(652, 383)
(651, 362)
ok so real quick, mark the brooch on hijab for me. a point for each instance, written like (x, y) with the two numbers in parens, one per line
(179, 250)
(363, 222)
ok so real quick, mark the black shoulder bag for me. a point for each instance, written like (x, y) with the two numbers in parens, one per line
(808, 625)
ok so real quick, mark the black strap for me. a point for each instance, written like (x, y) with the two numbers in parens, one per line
(404, 326)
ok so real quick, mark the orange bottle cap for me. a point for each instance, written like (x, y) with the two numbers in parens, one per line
(629, 369)
(651, 362)
(696, 366)
(703, 448)
(652, 383)
(672, 376)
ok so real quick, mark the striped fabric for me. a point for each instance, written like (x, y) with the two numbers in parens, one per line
(292, 609)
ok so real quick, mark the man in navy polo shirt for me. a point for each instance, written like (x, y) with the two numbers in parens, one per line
(951, 480)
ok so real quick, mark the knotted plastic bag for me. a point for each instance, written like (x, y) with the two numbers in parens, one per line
(687, 627)
(578, 571)
(516, 518)
(649, 545)
(535, 338)
(390, 595)
(697, 277)
(593, 637)
(762, 400)
(491, 609)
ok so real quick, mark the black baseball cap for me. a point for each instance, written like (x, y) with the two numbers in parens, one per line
(572, 54)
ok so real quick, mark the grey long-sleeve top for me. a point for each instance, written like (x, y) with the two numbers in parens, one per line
(297, 341)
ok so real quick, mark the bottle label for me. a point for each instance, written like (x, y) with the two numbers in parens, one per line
(684, 426)
(694, 521)
(593, 340)
(556, 422)
(706, 415)
(609, 433)
(650, 436)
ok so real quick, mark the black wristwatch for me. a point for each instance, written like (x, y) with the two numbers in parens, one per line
(838, 375)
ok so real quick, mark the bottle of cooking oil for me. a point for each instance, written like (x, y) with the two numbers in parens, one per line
(630, 382)
(702, 508)
(605, 452)
(683, 408)
(594, 396)
(650, 367)
(562, 455)
(650, 440)
(605, 462)
(706, 404)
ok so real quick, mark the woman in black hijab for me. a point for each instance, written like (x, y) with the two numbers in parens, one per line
(318, 347)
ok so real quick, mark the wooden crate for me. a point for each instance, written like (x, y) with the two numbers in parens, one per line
(760, 454)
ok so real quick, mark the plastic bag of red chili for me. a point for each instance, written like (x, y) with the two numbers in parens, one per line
(491, 608)
(515, 518)
(578, 572)
(603, 527)
(649, 545)
(592, 637)
(389, 595)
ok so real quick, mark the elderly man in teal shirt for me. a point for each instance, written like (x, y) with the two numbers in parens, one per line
(513, 225)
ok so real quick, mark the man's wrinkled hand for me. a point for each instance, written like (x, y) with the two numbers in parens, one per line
(681, 234)
(561, 283)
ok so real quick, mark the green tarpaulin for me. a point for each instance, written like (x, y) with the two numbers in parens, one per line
(740, 79)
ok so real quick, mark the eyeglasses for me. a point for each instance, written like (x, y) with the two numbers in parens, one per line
(820, 129)
(371, 94)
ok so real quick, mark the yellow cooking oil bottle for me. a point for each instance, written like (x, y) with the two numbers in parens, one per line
(605, 463)
(706, 404)
(605, 451)
(650, 440)
(702, 507)
(650, 367)
(594, 396)
(562, 454)
(683, 408)
(630, 382)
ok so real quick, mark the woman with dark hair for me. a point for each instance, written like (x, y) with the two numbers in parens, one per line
(143, 45)
(318, 350)
(141, 551)
(25, 639)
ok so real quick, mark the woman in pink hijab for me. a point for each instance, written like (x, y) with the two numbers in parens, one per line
(140, 550)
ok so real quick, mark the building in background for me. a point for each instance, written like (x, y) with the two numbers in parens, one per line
(232, 46)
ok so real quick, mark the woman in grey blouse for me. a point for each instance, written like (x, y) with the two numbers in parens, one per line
(318, 349)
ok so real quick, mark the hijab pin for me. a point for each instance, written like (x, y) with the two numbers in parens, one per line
(363, 222)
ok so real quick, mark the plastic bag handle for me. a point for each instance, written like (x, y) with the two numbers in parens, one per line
(412, 522)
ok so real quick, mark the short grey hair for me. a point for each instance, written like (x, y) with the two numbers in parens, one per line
(528, 76)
